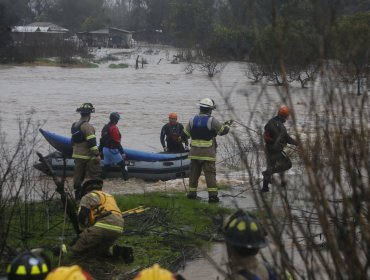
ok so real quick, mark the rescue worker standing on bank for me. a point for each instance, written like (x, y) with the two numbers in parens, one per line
(203, 129)
(101, 223)
(110, 145)
(276, 138)
(171, 134)
(85, 150)
(244, 238)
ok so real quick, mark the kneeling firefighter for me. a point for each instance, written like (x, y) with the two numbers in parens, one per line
(102, 224)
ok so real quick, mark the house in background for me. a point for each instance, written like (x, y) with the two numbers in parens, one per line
(38, 33)
(107, 37)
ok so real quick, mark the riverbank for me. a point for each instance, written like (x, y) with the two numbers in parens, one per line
(170, 232)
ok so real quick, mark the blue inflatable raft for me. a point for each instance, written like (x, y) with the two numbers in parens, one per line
(144, 165)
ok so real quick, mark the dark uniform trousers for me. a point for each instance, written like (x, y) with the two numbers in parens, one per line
(95, 240)
(209, 170)
(83, 166)
(277, 162)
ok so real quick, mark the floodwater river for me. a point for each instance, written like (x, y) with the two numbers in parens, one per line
(144, 97)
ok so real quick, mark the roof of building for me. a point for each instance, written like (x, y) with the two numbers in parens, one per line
(52, 26)
(30, 29)
(107, 30)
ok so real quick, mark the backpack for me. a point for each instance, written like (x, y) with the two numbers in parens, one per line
(105, 139)
(77, 135)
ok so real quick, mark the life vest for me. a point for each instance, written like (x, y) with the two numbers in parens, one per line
(174, 132)
(106, 139)
(267, 137)
(107, 206)
(200, 128)
(77, 135)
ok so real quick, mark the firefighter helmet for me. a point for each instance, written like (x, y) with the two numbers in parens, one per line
(207, 103)
(27, 266)
(284, 111)
(86, 108)
(243, 230)
(155, 273)
(73, 272)
(90, 185)
(114, 117)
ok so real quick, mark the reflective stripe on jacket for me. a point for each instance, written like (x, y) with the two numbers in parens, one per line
(87, 149)
(203, 129)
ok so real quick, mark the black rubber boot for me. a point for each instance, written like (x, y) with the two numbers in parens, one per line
(126, 253)
(267, 176)
(265, 186)
(123, 170)
(192, 195)
(213, 199)
(105, 171)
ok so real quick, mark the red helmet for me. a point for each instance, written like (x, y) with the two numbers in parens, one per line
(172, 115)
(283, 111)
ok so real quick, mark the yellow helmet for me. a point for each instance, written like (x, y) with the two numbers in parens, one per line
(155, 273)
(73, 272)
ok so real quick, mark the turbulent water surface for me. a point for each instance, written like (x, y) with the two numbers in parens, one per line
(143, 97)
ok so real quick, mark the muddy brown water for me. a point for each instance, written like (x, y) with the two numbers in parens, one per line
(144, 98)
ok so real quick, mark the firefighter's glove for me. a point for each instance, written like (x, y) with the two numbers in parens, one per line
(229, 123)
(165, 149)
(59, 249)
(187, 148)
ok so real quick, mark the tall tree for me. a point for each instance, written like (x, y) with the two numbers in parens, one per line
(352, 45)
(12, 12)
(73, 13)
(158, 13)
(191, 22)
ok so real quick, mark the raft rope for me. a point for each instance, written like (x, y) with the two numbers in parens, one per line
(183, 176)
(63, 233)
(65, 213)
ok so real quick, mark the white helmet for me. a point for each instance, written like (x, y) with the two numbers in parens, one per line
(207, 103)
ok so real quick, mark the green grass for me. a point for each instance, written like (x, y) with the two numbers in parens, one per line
(170, 231)
(118, 66)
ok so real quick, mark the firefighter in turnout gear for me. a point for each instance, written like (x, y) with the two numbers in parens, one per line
(85, 150)
(110, 146)
(203, 129)
(73, 272)
(276, 138)
(244, 238)
(101, 223)
(171, 134)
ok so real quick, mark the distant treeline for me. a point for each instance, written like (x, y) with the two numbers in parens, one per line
(269, 33)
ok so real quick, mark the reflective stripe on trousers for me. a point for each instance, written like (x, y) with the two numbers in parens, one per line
(109, 227)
